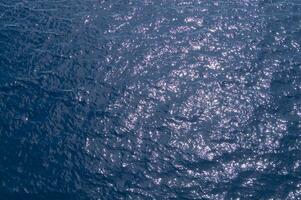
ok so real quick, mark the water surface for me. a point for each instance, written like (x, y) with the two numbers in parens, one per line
(151, 99)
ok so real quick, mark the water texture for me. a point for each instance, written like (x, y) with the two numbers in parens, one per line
(151, 99)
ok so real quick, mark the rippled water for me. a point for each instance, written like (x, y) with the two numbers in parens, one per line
(151, 99)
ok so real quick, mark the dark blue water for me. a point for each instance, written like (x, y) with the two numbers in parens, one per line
(150, 99)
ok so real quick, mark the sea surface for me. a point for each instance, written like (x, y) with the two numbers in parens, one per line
(150, 99)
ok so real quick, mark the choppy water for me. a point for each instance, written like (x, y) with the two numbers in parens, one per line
(151, 99)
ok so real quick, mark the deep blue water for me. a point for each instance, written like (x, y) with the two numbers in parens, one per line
(150, 99)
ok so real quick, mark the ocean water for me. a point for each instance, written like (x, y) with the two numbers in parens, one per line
(150, 99)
